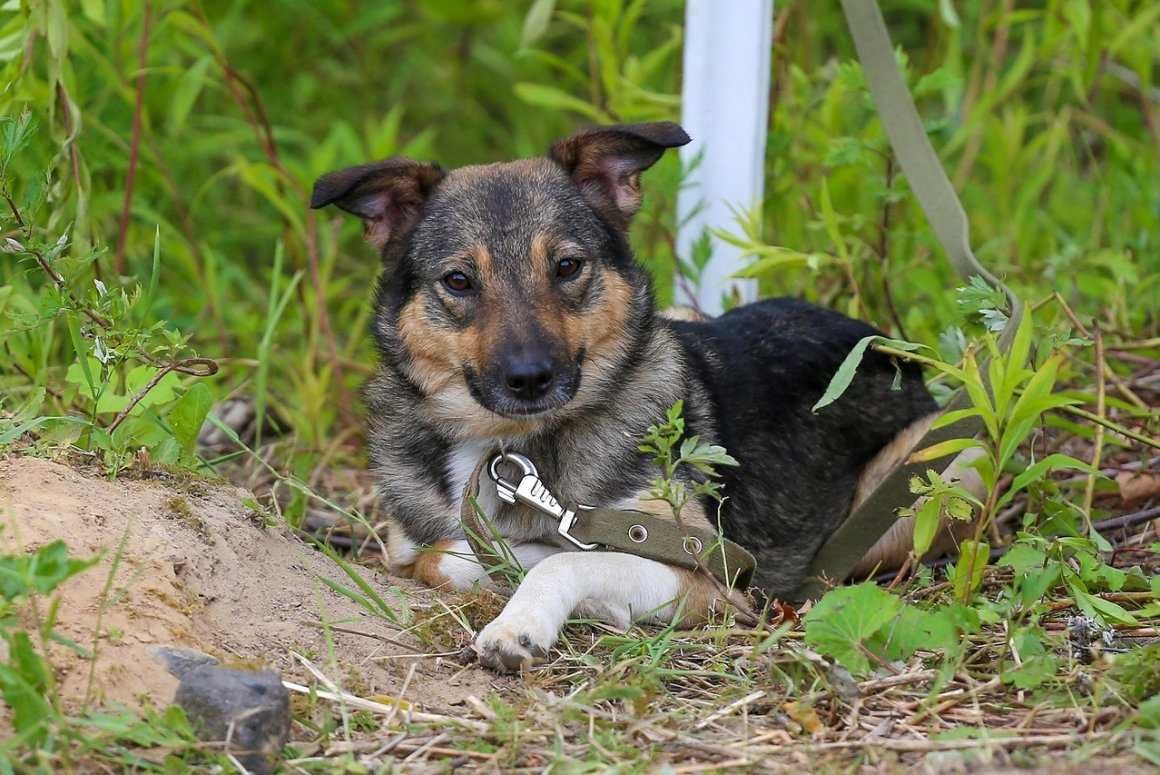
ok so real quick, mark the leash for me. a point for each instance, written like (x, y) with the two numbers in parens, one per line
(920, 164)
(590, 528)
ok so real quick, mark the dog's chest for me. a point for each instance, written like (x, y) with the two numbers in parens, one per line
(461, 462)
(514, 522)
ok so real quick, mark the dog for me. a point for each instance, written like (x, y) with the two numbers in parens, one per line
(512, 315)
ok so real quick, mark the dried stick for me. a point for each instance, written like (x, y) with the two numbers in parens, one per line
(187, 366)
(1101, 362)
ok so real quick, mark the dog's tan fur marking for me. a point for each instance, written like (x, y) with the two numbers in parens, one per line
(890, 551)
(432, 365)
(540, 254)
(700, 600)
(693, 515)
(426, 569)
(604, 324)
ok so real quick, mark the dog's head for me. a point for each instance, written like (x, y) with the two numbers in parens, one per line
(510, 295)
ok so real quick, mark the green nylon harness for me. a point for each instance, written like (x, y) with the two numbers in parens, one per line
(675, 544)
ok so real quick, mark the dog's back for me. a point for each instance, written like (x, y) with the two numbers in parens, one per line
(763, 366)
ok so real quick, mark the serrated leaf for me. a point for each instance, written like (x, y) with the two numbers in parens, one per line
(1034, 671)
(1022, 558)
(845, 619)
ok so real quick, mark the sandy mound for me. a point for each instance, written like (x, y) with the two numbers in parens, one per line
(198, 570)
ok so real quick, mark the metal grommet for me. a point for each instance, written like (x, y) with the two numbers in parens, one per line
(638, 534)
(695, 543)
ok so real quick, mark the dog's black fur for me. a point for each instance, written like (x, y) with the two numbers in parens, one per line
(763, 366)
(443, 395)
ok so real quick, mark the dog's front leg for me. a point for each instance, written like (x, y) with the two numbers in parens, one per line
(615, 587)
(452, 563)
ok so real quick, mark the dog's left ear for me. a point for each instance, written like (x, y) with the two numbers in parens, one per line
(606, 162)
(387, 195)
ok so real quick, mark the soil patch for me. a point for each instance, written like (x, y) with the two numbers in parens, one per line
(192, 566)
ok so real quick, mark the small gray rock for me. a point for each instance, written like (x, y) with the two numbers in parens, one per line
(180, 661)
(250, 709)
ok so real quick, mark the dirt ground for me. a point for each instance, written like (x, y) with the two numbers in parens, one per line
(200, 570)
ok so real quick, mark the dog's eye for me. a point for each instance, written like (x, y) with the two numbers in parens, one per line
(568, 267)
(457, 282)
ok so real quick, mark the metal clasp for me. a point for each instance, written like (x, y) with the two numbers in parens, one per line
(532, 491)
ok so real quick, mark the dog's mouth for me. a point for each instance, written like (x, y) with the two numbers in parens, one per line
(493, 395)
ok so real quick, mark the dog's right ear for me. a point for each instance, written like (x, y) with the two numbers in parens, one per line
(387, 195)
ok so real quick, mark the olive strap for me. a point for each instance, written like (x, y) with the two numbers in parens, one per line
(934, 192)
(619, 530)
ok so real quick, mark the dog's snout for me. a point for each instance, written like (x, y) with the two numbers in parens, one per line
(529, 379)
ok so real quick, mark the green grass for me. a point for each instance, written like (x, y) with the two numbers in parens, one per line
(158, 256)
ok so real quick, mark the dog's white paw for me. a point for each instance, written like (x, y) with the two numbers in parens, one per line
(512, 643)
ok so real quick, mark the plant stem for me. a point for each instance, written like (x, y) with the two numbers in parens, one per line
(1098, 420)
(135, 141)
(1098, 445)
(884, 251)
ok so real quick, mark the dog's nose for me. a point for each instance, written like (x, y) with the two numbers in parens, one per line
(529, 380)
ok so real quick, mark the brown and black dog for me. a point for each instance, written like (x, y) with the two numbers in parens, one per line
(511, 315)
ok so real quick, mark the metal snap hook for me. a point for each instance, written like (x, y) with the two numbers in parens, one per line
(526, 466)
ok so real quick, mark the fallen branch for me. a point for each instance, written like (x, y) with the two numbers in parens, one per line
(386, 710)
(922, 746)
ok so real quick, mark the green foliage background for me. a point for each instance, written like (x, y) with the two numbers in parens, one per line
(157, 255)
(1046, 115)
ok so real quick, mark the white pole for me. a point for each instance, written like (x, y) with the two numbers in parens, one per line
(725, 106)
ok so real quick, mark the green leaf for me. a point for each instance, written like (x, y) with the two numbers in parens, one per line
(24, 682)
(14, 431)
(43, 571)
(973, 383)
(973, 556)
(50, 566)
(1017, 356)
(1034, 671)
(845, 619)
(1038, 470)
(942, 449)
(1022, 557)
(849, 366)
(1037, 388)
(188, 414)
(953, 416)
(536, 22)
(82, 353)
(185, 93)
(949, 16)
(926, 522)
(916, 629)
(551, 97)
(845, 374)
(1098, 608)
